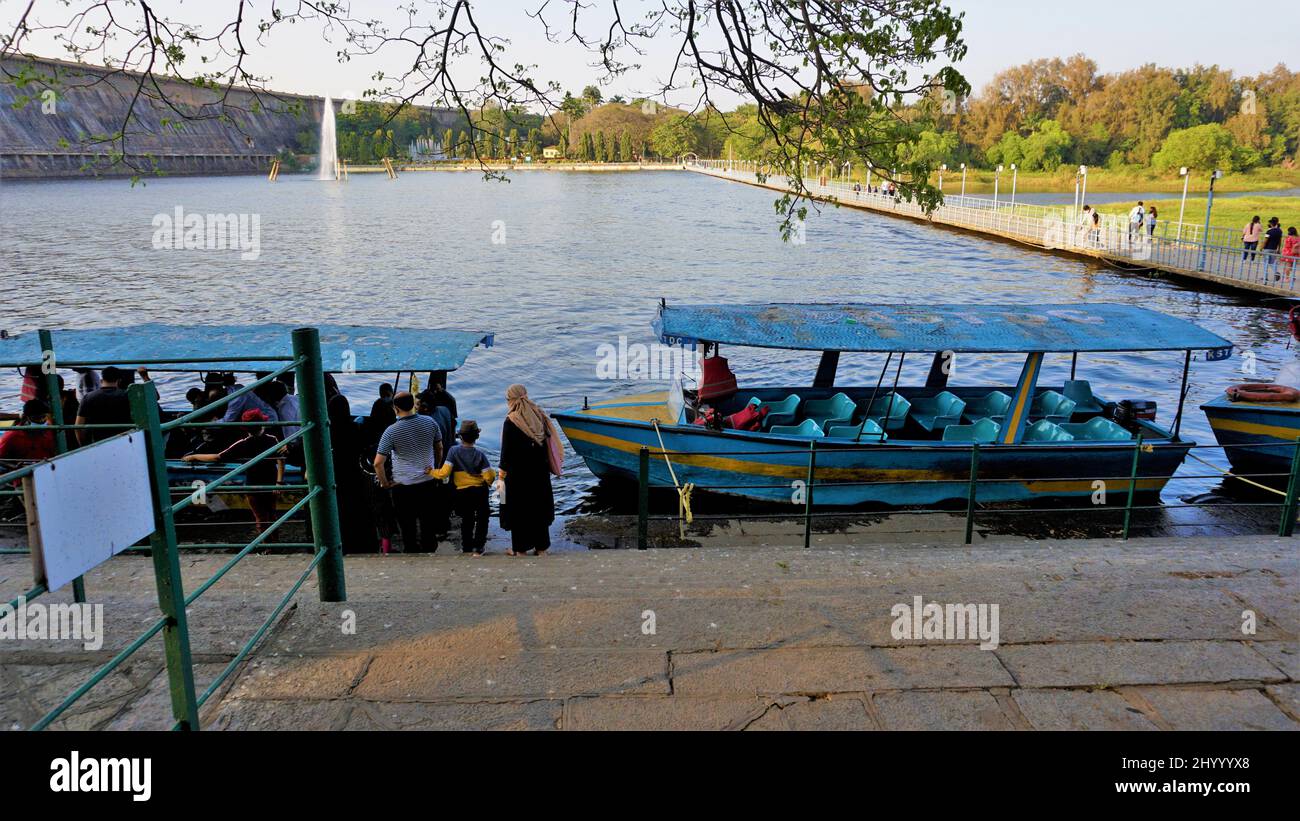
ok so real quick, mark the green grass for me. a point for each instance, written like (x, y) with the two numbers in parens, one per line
(1232, 213)
(1103, 180)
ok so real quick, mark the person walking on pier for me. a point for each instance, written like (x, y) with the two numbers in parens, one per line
(415, 446)
(1272, 247)
(1291, 254)
(526, 438)
(1135, 219)
(1250, 239)
(471, 474)
(1153, 216)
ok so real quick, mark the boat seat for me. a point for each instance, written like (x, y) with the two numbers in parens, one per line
(1098, 429)
(808, 429)
(1052, 406)
(994, 407)
(882, 408)
(828, 413)
(785, 412)
(938, 413)
(1046, 431)
(985, 432)
(1080, 390)
(869, 432)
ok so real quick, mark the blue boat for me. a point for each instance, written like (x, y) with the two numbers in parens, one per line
(888, 444)
(200, 349)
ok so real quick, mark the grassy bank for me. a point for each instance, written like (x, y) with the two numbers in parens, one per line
(1231, 213)
(1136, 180)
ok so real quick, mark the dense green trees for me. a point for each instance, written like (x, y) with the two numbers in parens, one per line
(1205, 146)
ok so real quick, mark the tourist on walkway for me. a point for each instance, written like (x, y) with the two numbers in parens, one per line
(1153, 217)
(471, 474)
(1291, 253)
(526, 468)
(269, 471)
(1085, 224)
(1250, 239)
(432, 403)
(1136, 218)
(415, 445)
(1272, 246)
(380, 418)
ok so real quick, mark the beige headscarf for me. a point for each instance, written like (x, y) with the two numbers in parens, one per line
(526, 414)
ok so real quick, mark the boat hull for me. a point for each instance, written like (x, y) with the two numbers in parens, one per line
(1257, 437)
(775, 468)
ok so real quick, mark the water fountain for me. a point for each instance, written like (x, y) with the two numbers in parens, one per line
(329, 152)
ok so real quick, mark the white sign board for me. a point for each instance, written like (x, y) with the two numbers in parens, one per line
(87, 506)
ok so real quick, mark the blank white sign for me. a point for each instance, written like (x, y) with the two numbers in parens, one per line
(87, 506)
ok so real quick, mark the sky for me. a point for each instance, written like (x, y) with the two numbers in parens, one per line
(1117, 34)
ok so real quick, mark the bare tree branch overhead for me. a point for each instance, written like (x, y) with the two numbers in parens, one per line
(829, 81)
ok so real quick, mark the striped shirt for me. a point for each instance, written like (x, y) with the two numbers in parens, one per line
(410, 442)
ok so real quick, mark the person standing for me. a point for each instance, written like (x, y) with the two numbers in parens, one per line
(525, 467)
(415, 446)
(1135, 219)
(1153, 216)
(266, 473)
(107, 405)
(1291, 253)
(358, 530)
(1272, 246)
(471, 474)
(1250, 239)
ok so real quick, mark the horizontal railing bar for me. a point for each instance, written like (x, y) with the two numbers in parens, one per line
(242, 469)
(230, 397)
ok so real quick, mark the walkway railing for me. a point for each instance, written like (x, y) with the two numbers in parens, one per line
(1181, 250)
(312, 431)
(1128, 487)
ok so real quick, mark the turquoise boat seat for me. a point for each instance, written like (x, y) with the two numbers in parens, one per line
(829, 413)
(994, 407)
(808, 429)
(1080, 390)
(985, 432)
(1098, 429)
(869, 432)
(785, 412)
(938, 413)
(1052, 406)
(1046, 431)
(888, 416)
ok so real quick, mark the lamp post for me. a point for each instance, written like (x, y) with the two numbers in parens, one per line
(942, 169)
(1209, 206)
(870, 168)
(1015, 177)
(963, 180)
(848, 172)
(1083, 198)
(1186, 174)
(997, 182)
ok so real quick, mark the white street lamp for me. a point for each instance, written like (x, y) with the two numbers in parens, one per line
(942, 169)
(1015, 177)
(870, 168)
(963, 180)
(997, 182)
(1083, 198)
(1186, 174)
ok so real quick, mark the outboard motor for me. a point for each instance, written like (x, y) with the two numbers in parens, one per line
(1129, 411)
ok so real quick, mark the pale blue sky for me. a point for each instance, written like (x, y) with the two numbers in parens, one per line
(1118, 34)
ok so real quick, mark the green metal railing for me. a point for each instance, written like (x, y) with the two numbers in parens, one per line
(318, 498)
(1289, 502)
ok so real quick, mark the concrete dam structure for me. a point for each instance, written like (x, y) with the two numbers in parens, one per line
(72, 110)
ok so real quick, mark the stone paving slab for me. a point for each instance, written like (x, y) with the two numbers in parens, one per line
(1080, 710)
(1201, 709)
(1111, 664)
(976, 710)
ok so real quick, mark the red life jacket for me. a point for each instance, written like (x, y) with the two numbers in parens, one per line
(751, 418)
(717, 382)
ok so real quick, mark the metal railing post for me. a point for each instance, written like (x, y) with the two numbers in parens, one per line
(1287, 527)
(643, 500)
(1132, 487)
(51, 374)
(808, 499)
(970, 492)
(318, 461)
(166, 560)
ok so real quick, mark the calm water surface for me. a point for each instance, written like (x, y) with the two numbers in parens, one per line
(586, 258)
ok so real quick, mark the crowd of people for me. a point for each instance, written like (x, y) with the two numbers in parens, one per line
(401, 472)
(1280, 252)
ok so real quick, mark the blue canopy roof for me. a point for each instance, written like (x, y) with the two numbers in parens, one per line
(937, 328)
(356, 348)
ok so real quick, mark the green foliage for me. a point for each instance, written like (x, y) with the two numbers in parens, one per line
(1206, 146)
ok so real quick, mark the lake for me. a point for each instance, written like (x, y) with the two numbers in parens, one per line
(583, 260)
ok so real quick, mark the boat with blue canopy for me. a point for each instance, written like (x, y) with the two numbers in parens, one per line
(215, 351)
(892, 444)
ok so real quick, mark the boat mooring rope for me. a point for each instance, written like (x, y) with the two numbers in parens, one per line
(684, 515)
(1232, 475)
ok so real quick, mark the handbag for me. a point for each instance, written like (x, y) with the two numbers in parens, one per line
(554, 450)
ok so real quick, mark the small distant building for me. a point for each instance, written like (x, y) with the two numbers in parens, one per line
(551, 152)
